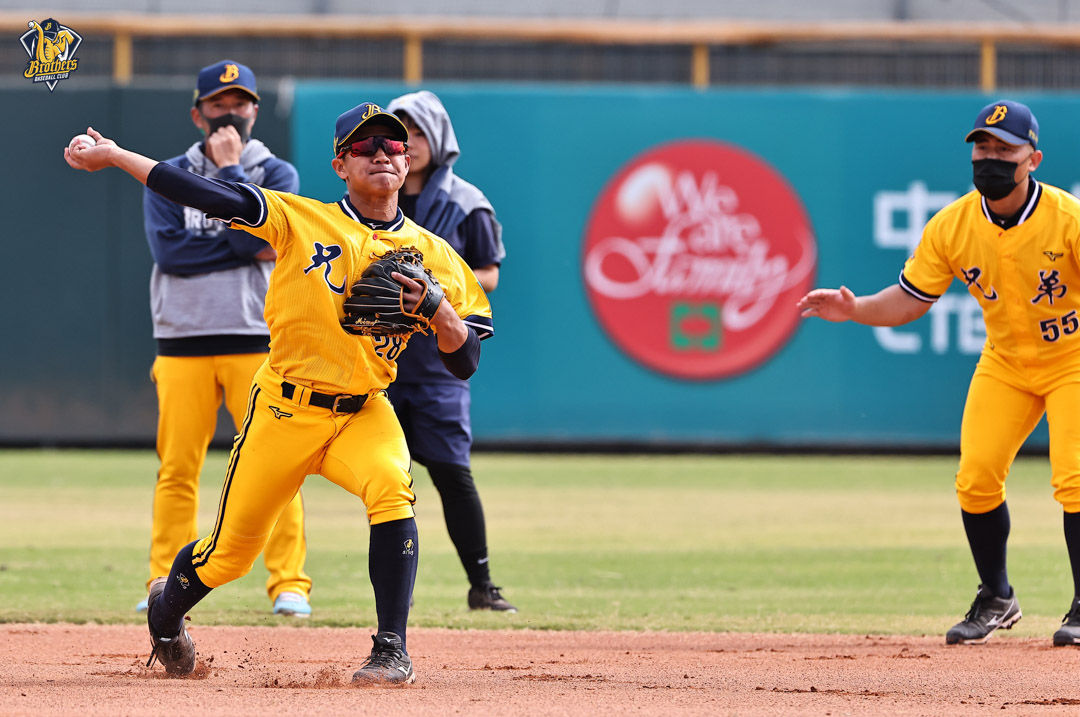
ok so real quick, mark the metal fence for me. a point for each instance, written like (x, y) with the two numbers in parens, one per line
(127, 48)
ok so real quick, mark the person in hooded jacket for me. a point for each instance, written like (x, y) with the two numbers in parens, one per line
(431, 404)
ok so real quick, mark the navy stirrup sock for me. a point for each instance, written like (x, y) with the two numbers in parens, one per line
(183, 590)
(988, 534)
(392, 559)
(1072, 542)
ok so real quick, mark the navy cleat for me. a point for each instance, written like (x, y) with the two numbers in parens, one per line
(488, 597)
(177, 654)
(987, 613)
(1069, 632)
(388, 663)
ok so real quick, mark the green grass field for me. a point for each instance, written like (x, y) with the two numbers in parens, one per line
(714, 543)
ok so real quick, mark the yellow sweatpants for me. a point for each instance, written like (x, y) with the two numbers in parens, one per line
(190, 391)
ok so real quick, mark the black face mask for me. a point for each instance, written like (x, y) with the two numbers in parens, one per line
(242, 125)
(994, 178)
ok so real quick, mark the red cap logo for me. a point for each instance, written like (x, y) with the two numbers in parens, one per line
(694, 257)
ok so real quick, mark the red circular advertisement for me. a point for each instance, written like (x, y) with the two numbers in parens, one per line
(694, 257)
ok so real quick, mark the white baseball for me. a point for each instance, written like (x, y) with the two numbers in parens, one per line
(83, 139)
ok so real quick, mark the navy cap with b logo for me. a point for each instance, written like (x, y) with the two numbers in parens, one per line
(50, 28)
(367, 112)
(225, 75)
(1009, 121)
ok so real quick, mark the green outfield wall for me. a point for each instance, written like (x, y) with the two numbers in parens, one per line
(656, 240)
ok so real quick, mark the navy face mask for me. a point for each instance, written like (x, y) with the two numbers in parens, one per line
(994, 178)
(242, 125)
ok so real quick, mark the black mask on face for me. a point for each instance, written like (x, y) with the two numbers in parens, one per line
(994, 178)
(242, 125)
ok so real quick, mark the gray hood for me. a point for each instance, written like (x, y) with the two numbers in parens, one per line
(427, 111)
(446, 199)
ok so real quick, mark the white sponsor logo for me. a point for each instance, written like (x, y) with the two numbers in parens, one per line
(197, 222)
(706, 249)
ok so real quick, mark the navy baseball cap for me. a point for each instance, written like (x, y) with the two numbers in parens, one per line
(366, 113)
(50, 28)
(222, 76)
(1009, 121)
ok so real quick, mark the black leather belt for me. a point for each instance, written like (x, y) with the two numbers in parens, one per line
(338, 403)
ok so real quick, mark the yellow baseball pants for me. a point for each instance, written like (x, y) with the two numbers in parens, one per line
(1000, 412)
(281, 442)
(190, 391)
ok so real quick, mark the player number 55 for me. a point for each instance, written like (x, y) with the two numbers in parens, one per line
(1052, 329)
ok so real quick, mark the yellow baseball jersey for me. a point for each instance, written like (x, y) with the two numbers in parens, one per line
(1025, 278)
(322, 249)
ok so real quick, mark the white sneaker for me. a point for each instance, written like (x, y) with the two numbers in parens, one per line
(292, 604)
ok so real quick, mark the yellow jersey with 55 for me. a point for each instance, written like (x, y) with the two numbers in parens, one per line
(1025, 278)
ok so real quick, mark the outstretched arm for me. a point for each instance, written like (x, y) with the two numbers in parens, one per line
(107, 153)
(218, 199)
(891, 306)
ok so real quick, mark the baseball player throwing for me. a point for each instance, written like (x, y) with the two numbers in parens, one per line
(206, 297)
(1015, 243)
(318, 403)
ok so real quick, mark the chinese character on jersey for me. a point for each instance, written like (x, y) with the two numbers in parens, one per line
(971, 277)
(1050, 286)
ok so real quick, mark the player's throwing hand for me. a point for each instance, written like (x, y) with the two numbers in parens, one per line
(90, 158)
(828, 304)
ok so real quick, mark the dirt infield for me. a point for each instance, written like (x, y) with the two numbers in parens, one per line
(98, 670)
